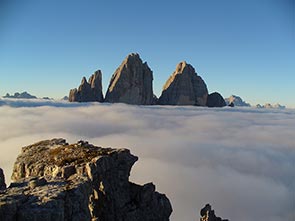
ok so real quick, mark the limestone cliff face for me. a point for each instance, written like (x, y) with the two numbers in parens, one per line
(88, 91)
(184, 87)
(207, 214)
(56, 181)
(131, 83)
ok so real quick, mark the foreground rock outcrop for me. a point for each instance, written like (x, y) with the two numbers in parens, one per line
(55, 181)
(215, 100)
(131, 83)
(184, 87)
(88, 91)
(2, 180)
(207, 214)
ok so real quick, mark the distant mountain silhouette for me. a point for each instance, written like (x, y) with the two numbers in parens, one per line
(237, 101)
(23, 95)
(268, 105)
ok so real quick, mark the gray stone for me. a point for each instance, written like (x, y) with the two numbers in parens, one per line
(215, 100)
(184, 87)
(57, 181)
(131, 83)
(88, 91)
(2, 180)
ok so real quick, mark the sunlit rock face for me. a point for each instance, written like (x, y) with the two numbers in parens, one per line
(184, 87)
(215, 100)
(207, 214)
(131, 83)
(88, 91)
(55, 181)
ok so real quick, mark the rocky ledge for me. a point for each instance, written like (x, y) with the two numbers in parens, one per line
(54, 180)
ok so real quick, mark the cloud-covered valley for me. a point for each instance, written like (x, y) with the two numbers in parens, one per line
(240, 160)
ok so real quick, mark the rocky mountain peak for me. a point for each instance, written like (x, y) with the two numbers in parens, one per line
(132, 57)
(95, 79)
(88, 91)
(23, 95)
(184, 87)
(131, 83)
(184, 68)
(236, 101)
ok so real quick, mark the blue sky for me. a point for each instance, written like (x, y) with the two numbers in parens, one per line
(245, 48)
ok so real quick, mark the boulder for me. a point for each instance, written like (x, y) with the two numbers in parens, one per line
(2, 180)
(215, 100)
(88, 91)
(184, 87)
(56, 181)
(131, 83)
(207, 214)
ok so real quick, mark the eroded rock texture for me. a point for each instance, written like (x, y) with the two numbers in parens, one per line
(131, 83)
(56, 181)
(88, 91)
(184, 87)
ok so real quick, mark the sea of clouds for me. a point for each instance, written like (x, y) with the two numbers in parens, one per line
(240, 160)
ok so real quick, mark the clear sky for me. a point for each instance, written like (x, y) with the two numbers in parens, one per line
(239, 47)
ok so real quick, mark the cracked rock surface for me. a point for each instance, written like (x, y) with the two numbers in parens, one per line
(54, 181)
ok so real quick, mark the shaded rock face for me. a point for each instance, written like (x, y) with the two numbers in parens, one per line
(131, 83)
(55, 181)
(184, 87)
(207, 214)
(88, 91)
(2, 180)
(215, 100)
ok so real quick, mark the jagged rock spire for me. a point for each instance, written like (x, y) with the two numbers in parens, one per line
(184, 87)
(88, 91)
(131, 83)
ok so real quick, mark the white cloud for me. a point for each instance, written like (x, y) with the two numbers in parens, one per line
(241, 160)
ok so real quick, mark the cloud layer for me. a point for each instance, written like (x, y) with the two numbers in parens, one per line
(241, 160)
